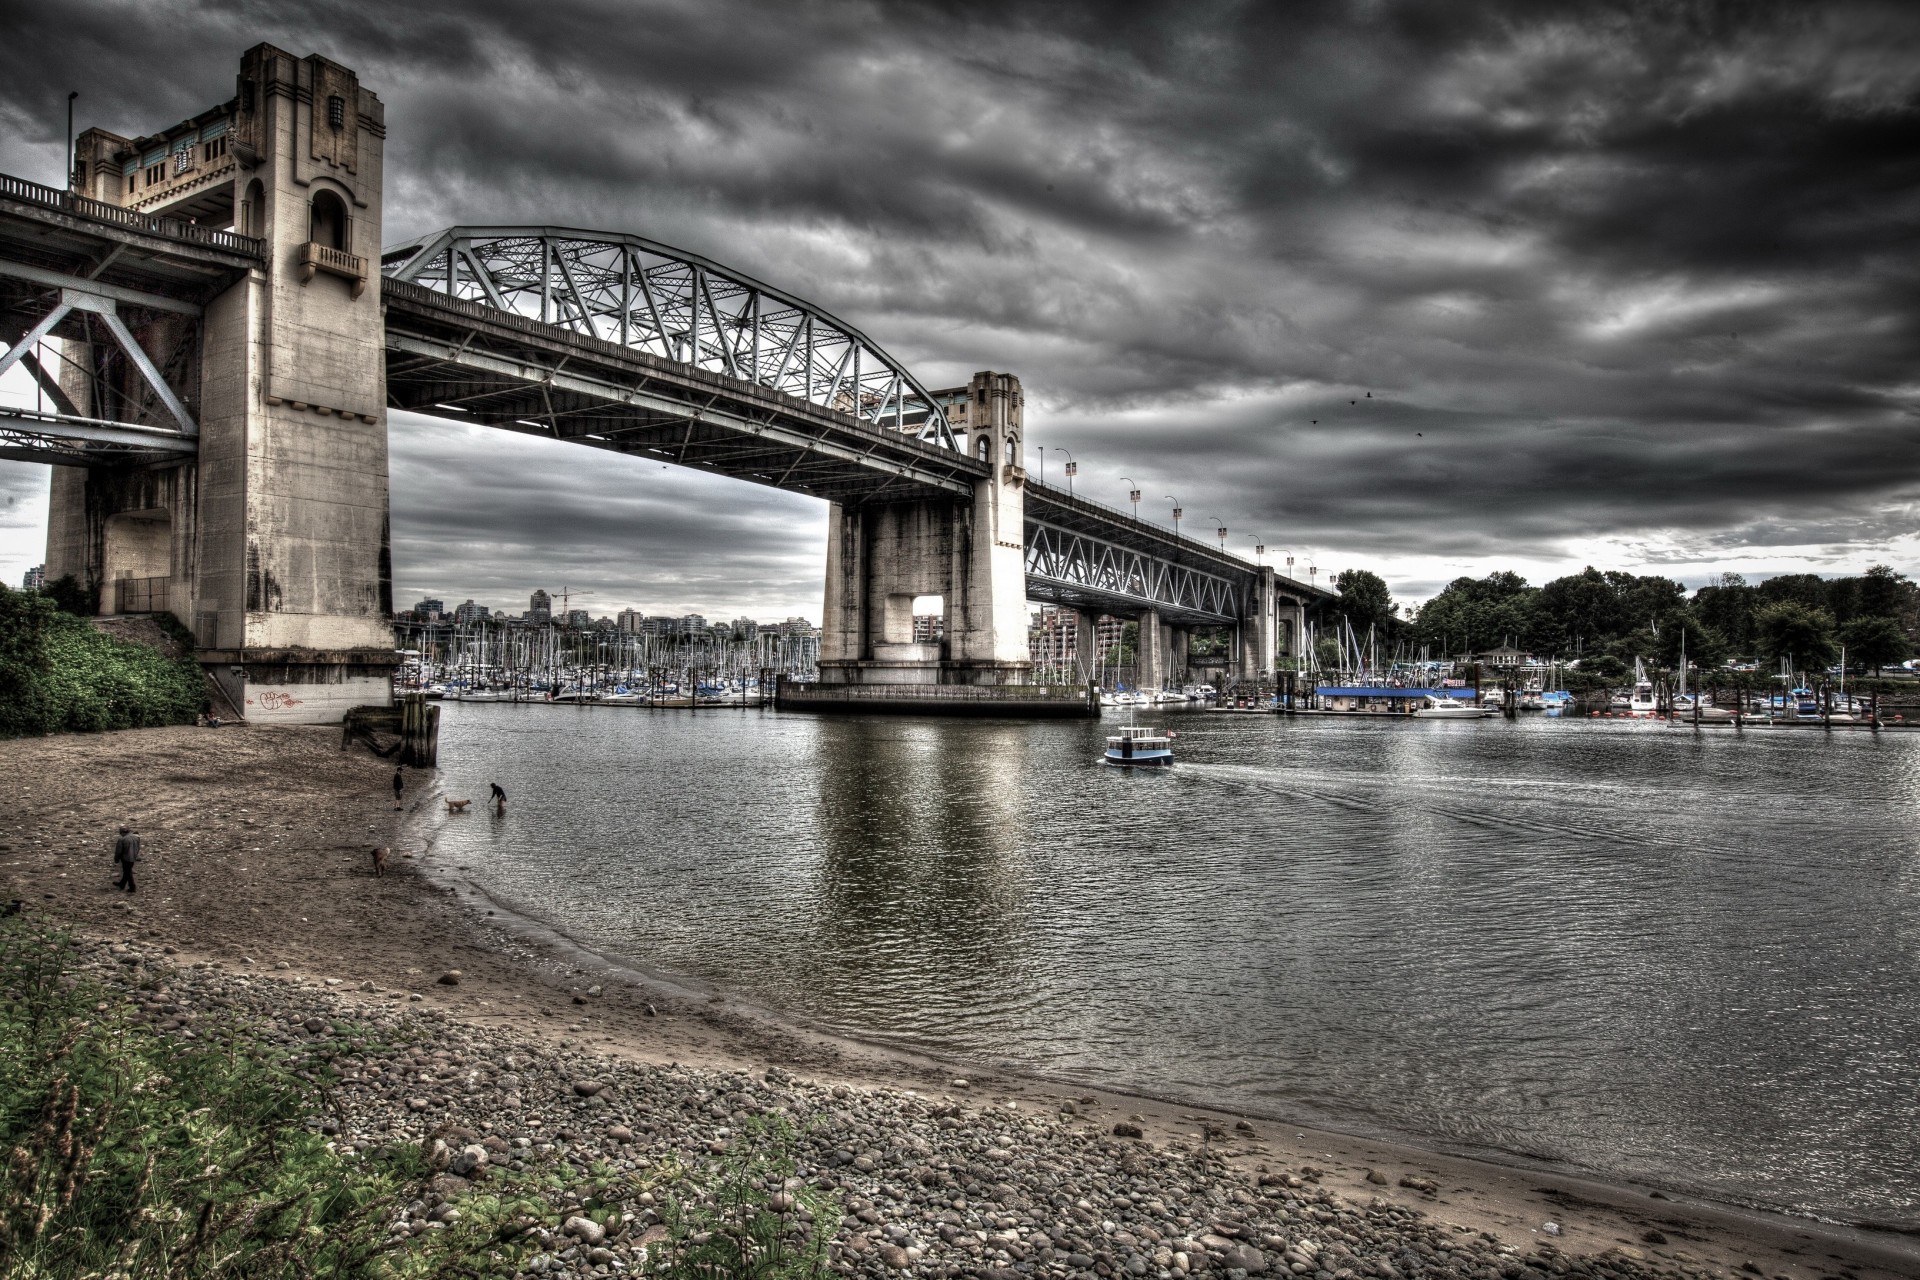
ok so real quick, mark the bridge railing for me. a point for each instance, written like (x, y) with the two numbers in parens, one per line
(99, 211)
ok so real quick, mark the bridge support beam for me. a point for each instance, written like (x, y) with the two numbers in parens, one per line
(1150, 651)
(1086, 645)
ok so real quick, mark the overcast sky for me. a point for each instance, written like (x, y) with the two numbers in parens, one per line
(1629, 284)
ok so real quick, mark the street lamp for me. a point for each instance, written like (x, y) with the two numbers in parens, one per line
(1312, 575)
(1289, 564)
(1222, 531)
(1176, 514)
(1073, 468)
(1259, 551)
(1133, 496)
(1043, 464)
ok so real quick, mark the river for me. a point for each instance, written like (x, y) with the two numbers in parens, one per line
(1680, 956)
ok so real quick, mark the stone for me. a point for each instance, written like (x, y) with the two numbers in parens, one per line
(1246, 1258)
(1376, 1177)
(585, 1230)
(894, 1256)
(451, 978)
(314, 1026)
(1127, 1129)
(1654, 1236)
(620, 1133)
(1425, 1186)
(587, 1088)
(468, 1161)
(1551, 1228)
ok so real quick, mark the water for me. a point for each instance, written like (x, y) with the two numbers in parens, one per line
(1648, 952)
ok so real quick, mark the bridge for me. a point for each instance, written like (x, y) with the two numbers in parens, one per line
(232, 337)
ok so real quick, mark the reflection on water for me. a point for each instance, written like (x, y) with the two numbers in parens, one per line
(1682, 956)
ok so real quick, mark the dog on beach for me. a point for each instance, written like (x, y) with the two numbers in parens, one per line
(380, 861)
(458, 806)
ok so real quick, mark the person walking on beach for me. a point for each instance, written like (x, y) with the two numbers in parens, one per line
(399, 785)
(499, 799)
(126, 852)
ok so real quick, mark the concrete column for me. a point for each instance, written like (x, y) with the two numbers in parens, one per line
(1086, 644)
(1266, 604)
(987, 609)
(1150, 652)
(1179, 640)
(843, 619)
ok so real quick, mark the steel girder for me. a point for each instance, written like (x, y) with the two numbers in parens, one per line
(677, 306)
(1085, 571)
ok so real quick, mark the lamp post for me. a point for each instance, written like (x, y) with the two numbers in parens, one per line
(1259, 551)
(1073, 468)
(1176, 514)
(1043, 464)
(70, 170)
(1289, 564)
(1312, 576)
(1222, 531)
(1133, 496)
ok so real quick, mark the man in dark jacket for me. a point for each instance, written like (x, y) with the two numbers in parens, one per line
(126, 852)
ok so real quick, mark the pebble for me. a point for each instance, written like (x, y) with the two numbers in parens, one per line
(944, 1188)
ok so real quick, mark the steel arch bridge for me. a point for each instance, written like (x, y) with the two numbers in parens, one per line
(608, 340)
(678, 306)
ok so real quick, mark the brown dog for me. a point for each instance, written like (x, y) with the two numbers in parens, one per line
(380, 861)
(458, 806)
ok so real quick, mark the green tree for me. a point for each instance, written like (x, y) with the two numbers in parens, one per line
(1704, 646)
(1365, 600)
(1875, 641)
(1791, 630)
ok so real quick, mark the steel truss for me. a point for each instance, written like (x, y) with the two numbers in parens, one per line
(1079, 569)
(65, 437)
(677, 306)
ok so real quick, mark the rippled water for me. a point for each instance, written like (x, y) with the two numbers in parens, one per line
(1658, 953)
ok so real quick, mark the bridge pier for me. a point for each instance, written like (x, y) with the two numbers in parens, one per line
(270, 543)
(881, 556)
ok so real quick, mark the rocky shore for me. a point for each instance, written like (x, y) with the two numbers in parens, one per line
(509, 1055)
(939, 1183)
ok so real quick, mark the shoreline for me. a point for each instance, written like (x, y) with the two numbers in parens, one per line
(259, 787)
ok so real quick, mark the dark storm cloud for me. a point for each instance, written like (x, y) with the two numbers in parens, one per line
(1638, 272)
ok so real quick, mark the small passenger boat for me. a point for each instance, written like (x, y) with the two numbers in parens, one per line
(1139, 745)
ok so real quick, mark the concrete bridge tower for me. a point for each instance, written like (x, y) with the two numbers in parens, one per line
(882, 556)
(272, 543)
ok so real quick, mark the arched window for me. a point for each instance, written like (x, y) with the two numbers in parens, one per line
(984, 449)
(253, 210)
(1013, 452)
(329, 221)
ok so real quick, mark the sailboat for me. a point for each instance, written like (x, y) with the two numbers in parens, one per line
(1642, 702)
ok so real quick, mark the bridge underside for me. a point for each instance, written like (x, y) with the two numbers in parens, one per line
(468, 362)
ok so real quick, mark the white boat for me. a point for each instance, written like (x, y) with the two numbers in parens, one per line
(1137, 746)
(1445, 708)
(1642, 702)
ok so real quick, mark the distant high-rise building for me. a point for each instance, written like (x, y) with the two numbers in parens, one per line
(429, 610)
(745, 628)
(579, 619)
(928, 628)
(540, 607)
(470, 612)
(36, 578)
(693, 623)
(630, 620)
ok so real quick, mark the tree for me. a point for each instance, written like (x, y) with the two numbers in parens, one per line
(1875, 642)
(1365, 600)
(1704, 646)
(1791, 630)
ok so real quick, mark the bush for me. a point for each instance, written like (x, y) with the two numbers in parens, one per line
(60, 675)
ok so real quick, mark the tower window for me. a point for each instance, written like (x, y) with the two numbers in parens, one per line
(337, 111)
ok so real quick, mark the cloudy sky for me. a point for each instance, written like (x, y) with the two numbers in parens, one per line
(1429, 288)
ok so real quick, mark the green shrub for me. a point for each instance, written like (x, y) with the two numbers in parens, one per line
(60, 675)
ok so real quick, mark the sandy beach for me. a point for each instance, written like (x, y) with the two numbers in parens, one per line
(258, 862)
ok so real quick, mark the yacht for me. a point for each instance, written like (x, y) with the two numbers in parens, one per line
(1442, 707)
